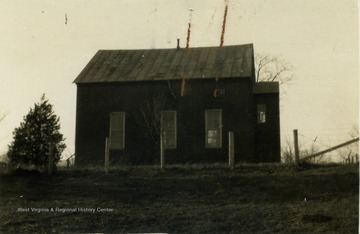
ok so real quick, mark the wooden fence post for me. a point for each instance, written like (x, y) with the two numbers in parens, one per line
(296, 147)
(231, 150)
(349, 157)
(106, 155)
(162, 152)
(51, 158)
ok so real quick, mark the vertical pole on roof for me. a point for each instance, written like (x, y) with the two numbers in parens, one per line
(231, 150)
(162, 153)
(106, 155)
(296, 147)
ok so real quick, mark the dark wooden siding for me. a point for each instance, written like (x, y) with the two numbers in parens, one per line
(95, 102)
(267, 135)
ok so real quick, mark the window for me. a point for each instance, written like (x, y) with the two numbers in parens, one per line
(213, 127)
(168, 129)
(261, 113)
(117, 130)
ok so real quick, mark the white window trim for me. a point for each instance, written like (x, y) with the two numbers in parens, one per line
(207, 145)
(259, 113)
(164, 130)
(123, 130)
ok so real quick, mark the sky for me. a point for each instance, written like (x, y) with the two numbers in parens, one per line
(46, 43)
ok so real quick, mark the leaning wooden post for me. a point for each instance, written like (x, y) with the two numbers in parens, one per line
(349, 157)
(231, 150)
(51, 158)
(296, 147)
(106, 155)
(162, 153)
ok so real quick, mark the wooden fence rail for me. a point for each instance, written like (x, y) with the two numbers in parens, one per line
(330, 149)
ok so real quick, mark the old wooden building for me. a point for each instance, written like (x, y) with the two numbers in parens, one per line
(192, 97)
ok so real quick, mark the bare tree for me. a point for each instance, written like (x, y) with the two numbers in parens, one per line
(271, 68)
(354, 132)
(351, 150)
(149, 116)
(287, 152)
(313, 148)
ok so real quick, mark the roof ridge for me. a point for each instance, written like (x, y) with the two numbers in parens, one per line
(199, 47)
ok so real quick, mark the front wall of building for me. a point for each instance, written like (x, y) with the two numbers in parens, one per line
(95, 102)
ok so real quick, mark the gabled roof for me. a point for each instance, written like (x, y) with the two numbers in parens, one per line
(168, 64)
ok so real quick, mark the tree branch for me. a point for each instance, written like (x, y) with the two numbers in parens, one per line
(269, 68)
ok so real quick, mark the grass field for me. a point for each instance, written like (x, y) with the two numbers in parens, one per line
(192, 198)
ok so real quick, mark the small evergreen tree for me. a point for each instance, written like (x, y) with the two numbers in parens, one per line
(31, 141)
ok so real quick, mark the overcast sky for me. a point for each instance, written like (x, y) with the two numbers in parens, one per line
(46, 43)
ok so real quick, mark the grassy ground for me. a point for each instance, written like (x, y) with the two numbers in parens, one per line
(193, 198)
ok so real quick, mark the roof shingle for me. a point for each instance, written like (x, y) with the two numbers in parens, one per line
(168, 64)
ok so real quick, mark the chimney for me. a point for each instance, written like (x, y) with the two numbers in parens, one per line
(178, 44)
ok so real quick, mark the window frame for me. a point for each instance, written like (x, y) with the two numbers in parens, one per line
(261, 113)
(219, 129)
(163, 131)
(111, 131)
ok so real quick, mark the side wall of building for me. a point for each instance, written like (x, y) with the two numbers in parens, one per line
(95, 102)
(267, 135)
